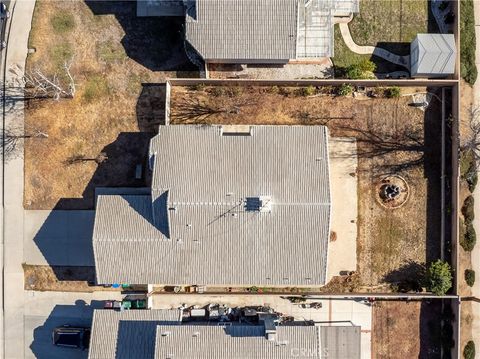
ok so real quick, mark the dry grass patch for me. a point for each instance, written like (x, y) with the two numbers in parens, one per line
(112, 53)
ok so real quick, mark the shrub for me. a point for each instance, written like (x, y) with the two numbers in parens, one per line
(198, 87)
(468, 170)
(362, 70)
(285, 91)
(393, 92)
(467, 45)
(469, 350)
(308, 91)
(62, 22)
(468, 209)
(274, 90)
(345, 90)
(234, 91)
(470, 277)
(439, 277)
(469, 239)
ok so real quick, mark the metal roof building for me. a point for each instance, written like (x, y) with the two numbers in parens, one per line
(159, 334)
(225, 209)
(433, 55)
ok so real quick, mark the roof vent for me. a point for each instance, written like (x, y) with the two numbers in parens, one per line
(259, 204)
(166, 334)
(196, 334)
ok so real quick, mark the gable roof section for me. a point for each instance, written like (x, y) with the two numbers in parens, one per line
(206, 234)
(243, 29)
(127, 334)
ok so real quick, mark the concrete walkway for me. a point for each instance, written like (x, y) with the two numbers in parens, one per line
(372, 50)
(13, 220)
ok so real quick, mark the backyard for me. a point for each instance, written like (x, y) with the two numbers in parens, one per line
(389, 24)
(98, 137)
(393, 137)
(409, 329)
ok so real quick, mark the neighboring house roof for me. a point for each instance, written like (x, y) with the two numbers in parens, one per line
(245, 29)
(159, 334)
(263, 30)
(225, 210)
(436, 54)
(236, 342)
(127, 334)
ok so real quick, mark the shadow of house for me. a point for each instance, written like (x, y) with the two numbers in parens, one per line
(436, 331)
(151, 107)
(154, 42)
(78, 315)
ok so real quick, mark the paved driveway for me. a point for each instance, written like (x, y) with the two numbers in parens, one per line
(46, 310)
(62, 238)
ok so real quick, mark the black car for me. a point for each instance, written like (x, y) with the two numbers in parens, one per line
(71, 337)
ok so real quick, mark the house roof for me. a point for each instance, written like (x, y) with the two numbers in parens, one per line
(127, 334)
(263, 30)
(246, 29)
(159, 334)
(227, 208)
(437, 54)
(235, 341)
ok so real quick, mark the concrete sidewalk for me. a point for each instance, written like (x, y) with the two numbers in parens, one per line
(13, 221)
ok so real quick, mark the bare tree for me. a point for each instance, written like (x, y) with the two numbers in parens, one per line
(39, 85)
(196, 109)
(100, 158)
(472, 141)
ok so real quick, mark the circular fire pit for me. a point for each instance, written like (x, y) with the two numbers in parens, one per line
(392, 192)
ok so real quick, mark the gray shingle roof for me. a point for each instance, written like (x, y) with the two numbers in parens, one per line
(128, 334)
(338, 342)
(212, 238)
(235, 30)
(245, 29)
(240, 342)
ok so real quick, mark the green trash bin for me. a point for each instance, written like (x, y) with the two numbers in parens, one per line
(126, 304)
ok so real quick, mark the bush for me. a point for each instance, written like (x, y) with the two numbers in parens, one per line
(308, 91)
(345, 90)
(217, 91)
(393, 92)
(468, 170)
(468, 209)
(469, 350)
(467, 45)
(62, 22)
(470, 277)
(469, 239)
(439, 277)
(362, 70)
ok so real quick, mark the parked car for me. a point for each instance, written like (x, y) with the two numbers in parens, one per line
(71, 337)
(4, 13)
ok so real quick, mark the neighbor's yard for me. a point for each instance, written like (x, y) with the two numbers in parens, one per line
(112, 53)
(390, 24)
(392, 137)
(408, 329)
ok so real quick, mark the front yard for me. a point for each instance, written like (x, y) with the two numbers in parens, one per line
(392, 137)
(112, 54)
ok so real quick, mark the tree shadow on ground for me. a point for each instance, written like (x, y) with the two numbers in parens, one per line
(154, 42)
(407, 278)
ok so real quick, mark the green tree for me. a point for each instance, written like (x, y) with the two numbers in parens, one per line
(470, 277)
(439, 277)
(469, 350)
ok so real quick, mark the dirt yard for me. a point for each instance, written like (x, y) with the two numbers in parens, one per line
(406, 329)
(392, 137)
(113, 54)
